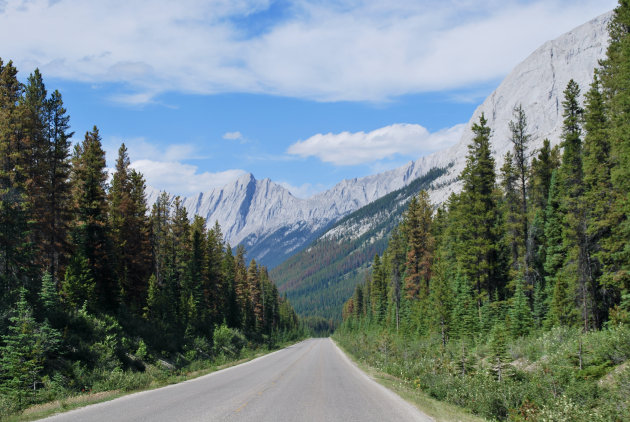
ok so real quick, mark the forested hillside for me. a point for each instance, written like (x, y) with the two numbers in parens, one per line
(319, 279)
(98, 293)
(513, 299)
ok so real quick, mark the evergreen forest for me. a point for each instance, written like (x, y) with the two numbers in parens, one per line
(97, 292)
(512, 299)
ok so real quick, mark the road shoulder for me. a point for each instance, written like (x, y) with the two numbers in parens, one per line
(434, 409)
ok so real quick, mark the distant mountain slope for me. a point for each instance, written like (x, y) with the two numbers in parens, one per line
(320, 278)
(324, 275)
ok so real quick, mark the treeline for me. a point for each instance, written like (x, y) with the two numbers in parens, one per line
(90, 279)
(544, 245)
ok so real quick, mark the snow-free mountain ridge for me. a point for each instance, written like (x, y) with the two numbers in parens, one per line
(272, 223)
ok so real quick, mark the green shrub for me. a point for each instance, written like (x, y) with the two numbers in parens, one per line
(228, 341)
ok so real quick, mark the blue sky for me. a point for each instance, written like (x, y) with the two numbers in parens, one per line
(306, 93)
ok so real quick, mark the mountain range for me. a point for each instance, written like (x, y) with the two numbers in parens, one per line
(273, 224)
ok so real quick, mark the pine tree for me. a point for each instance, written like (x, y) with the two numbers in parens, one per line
(14, 244)
(520, 139)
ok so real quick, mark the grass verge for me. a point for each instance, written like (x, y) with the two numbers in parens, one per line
(439, 411)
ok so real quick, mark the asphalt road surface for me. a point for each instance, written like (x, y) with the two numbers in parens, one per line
(309, 381)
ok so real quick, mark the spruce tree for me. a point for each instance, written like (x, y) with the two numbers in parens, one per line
(464, 314)
(129, 231)
(615, 81)
(25, 347)
(520, 314)
(478, 217)
(34, 130)
(218, 290)
(255, 295)
(420, 245)
(228, 273)
(78, 286)
(511, 213)
(441, 299)
(56, 220)
(598, 198)
(242, 288)
(498, 351)
(90, 230)
(576, 271)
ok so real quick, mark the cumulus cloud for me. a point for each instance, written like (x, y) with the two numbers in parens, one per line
(163, 167)
(233, 136)
(347, 148)
(366, 50)
(140, 148)
(182, 179)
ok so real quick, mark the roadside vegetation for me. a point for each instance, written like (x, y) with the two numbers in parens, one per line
(513, 299)
(97, 292)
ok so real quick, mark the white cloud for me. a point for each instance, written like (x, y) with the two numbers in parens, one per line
(182, 179)
(348, 148)
(325, 50)
(140, 149)
(163, 168)
(233, 136)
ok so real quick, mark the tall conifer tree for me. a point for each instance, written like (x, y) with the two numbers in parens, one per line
(89, 232)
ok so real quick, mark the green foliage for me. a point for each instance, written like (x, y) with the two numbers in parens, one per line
(540, 376)
(520, 314)
(26, 346)
(228, 341)
(78, 286)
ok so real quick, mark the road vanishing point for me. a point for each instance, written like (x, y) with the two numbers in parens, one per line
(310, 381)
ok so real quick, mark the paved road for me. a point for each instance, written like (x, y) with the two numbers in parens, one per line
(310, 381)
